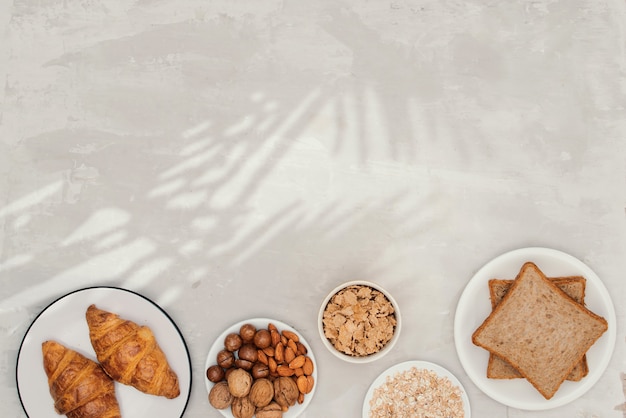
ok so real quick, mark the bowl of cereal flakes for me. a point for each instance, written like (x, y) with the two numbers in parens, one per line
(359, 321)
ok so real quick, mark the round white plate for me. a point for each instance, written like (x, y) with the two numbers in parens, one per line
(64, 321)
(407, 365)
(474, 306)
(259, 323)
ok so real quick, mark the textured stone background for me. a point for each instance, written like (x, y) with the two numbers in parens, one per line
(232, 159)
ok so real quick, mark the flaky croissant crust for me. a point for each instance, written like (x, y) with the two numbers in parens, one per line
(129, 353)
(78, 385)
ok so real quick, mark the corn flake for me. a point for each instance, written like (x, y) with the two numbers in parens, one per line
(359, 320)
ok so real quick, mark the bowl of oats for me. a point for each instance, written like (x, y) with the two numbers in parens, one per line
(359, 321)
(416, 389)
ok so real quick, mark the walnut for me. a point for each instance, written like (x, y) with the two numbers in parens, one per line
(273, 410)
(239, 383)
(285, 391)
(262, 392)
(220, 396)
(242, 408)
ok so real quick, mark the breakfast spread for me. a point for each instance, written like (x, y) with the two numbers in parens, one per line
(539, 330)
(260, 372)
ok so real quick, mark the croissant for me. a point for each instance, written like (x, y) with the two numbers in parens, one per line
(129, 353)
(78, 385)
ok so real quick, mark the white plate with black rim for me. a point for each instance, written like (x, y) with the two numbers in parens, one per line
(64, 321)
(259, 323)
(441, 373)
(474, 306)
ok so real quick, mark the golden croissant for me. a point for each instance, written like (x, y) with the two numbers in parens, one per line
(129, 353)
(78, 385)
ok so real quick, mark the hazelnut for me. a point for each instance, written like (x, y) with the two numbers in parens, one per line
(243, 364)
(247, 332)
(242, 408)
(232, 342)
(285, 391)
(219, 396)
(239, 383)
(273, 410)
(261, 392)
(248, 352)
(215, 373)
(225, 359)
(260, 370)
(262, 338)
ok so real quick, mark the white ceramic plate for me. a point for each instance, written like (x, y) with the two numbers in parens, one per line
(407, 365)
(474, 306)
(64, 321)
(259, 323)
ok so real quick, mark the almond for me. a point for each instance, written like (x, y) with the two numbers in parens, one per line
(271, 363)
(271, 327)
(301, 398)
(275, 337)
(302, 384)
(284, 371)
(279, 353)
(269, 351)
(299, 372)
(291, 335)
(292, 344)
(301, 348)
(308, 367)
(289, 355)
(310, 382)
(262, 357)
(297, 362)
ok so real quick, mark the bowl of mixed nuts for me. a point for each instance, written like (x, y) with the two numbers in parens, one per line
(359, 321)
(260, 368)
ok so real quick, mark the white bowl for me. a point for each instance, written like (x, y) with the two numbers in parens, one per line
(295, 410)
(360, 359)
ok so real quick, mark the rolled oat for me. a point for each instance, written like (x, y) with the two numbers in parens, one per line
(417, 393)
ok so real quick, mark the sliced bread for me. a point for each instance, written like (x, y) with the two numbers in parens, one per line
(573, 286)
(539, 330)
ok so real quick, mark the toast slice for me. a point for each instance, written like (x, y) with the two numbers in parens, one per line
(573, 286)
(539, 330)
